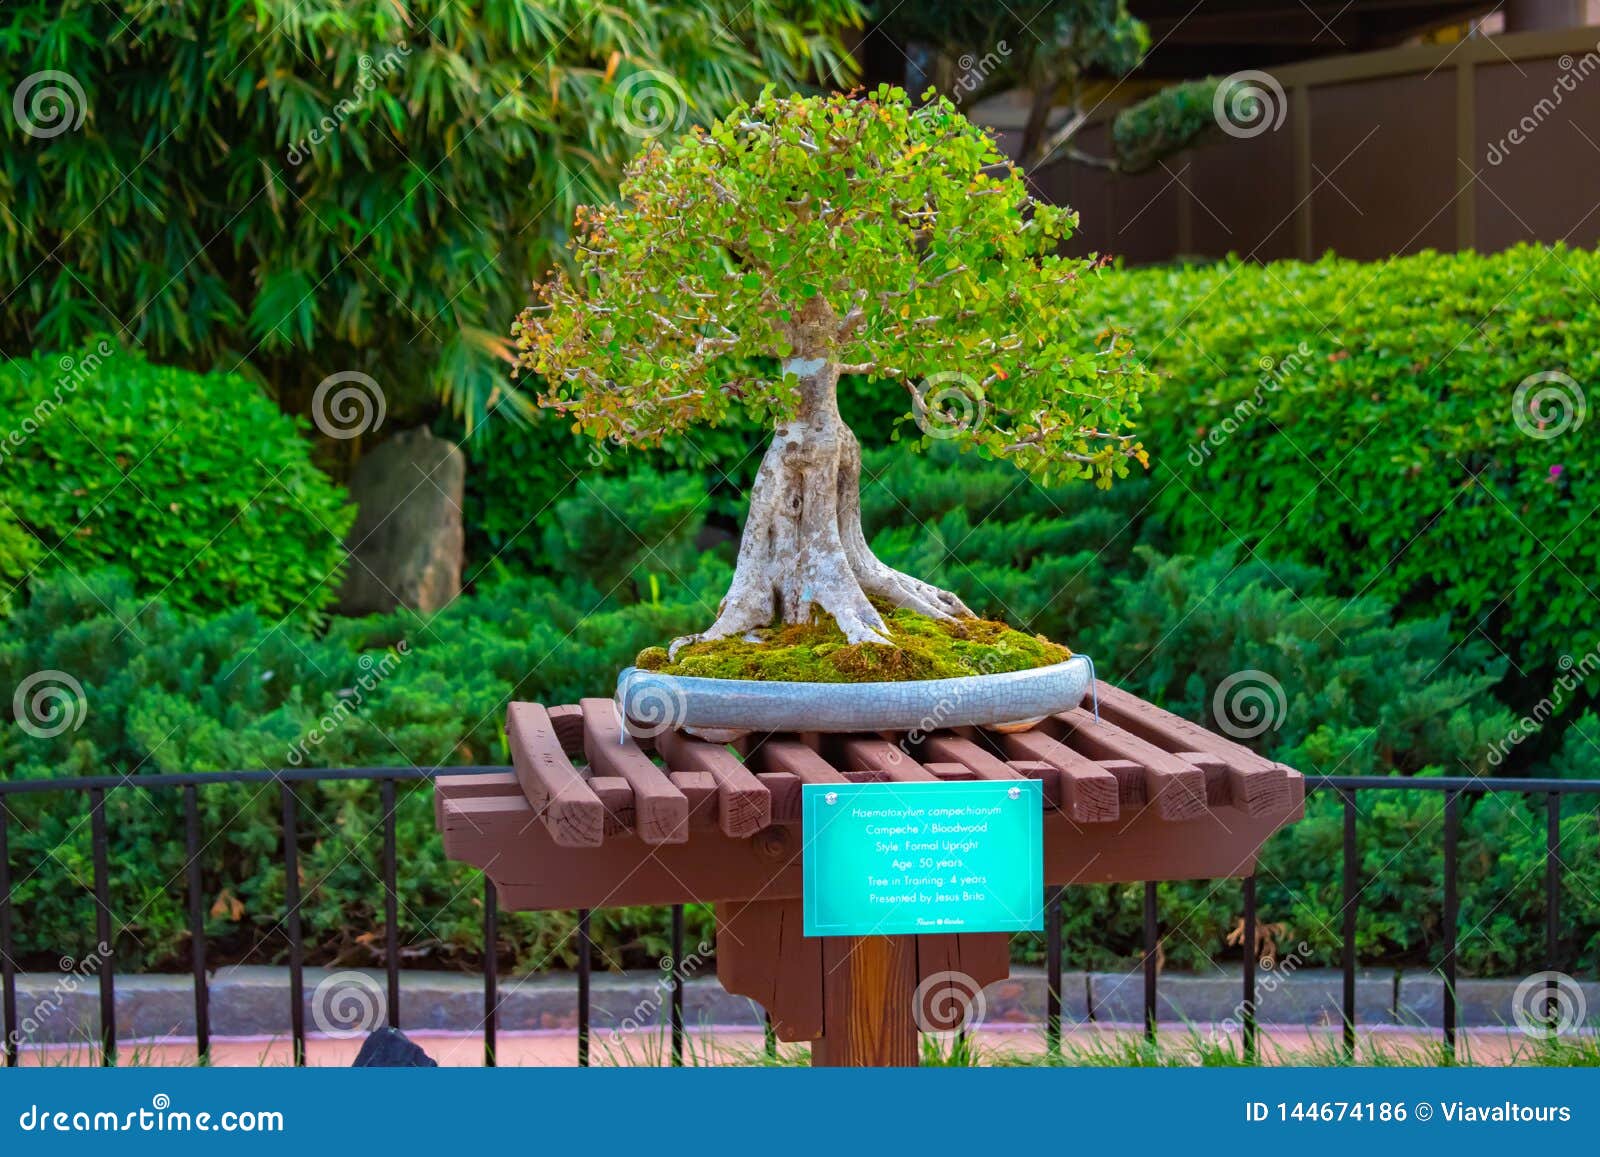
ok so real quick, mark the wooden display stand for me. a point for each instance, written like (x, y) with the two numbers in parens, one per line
(590, 820)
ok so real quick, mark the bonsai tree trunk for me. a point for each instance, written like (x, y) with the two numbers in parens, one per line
(803, 545)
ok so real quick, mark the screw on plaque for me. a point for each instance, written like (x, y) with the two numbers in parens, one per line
(831, 798)
(1015, 793)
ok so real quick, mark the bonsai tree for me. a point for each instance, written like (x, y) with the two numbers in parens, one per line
(802, 238)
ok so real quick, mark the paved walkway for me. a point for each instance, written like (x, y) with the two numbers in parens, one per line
(1103, 1045)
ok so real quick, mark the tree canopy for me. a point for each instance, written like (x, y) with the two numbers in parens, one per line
(902, 228)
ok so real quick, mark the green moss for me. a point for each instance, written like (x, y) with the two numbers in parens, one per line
(817, 653)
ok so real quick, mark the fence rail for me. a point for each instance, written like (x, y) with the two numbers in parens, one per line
(96, 787)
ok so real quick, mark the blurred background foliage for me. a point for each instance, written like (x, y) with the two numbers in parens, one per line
(290, 188)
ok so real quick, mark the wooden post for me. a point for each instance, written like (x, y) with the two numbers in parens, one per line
(867, 987)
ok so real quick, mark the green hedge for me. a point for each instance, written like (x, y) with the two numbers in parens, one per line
(194, 483)
(1360, 417)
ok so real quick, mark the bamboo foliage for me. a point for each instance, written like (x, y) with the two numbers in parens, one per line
(296, 187)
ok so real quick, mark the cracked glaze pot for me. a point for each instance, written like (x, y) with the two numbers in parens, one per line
(720, 708)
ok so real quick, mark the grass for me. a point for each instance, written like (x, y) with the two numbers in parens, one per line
(817, 652)
(1188, 1048)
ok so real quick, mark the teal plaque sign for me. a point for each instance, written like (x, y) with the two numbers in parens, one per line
(889, 859)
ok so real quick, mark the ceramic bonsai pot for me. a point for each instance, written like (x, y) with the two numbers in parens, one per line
(720, 709)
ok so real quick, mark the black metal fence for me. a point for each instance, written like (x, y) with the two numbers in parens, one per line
(95, 789)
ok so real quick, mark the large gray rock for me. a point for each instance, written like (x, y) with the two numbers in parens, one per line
(407, 541)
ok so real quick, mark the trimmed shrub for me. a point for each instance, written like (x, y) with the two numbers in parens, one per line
(1411, 427)
(194, 483)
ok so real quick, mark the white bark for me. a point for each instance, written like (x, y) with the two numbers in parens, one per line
(803, 548)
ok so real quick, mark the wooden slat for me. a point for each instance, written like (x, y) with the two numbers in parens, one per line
(783, 753)
(1049, 779)
(1175, 787)
(568, 721)
(488, 784)
(946, 748)
(489, 817)
(1254, 784)
(860, 753)
(700, 789)
(951, 771)
(617, 798)
(1129, 775)
(744, 806)
(1089, 793)
(661, 812)
(553, 786)
(784, 786)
